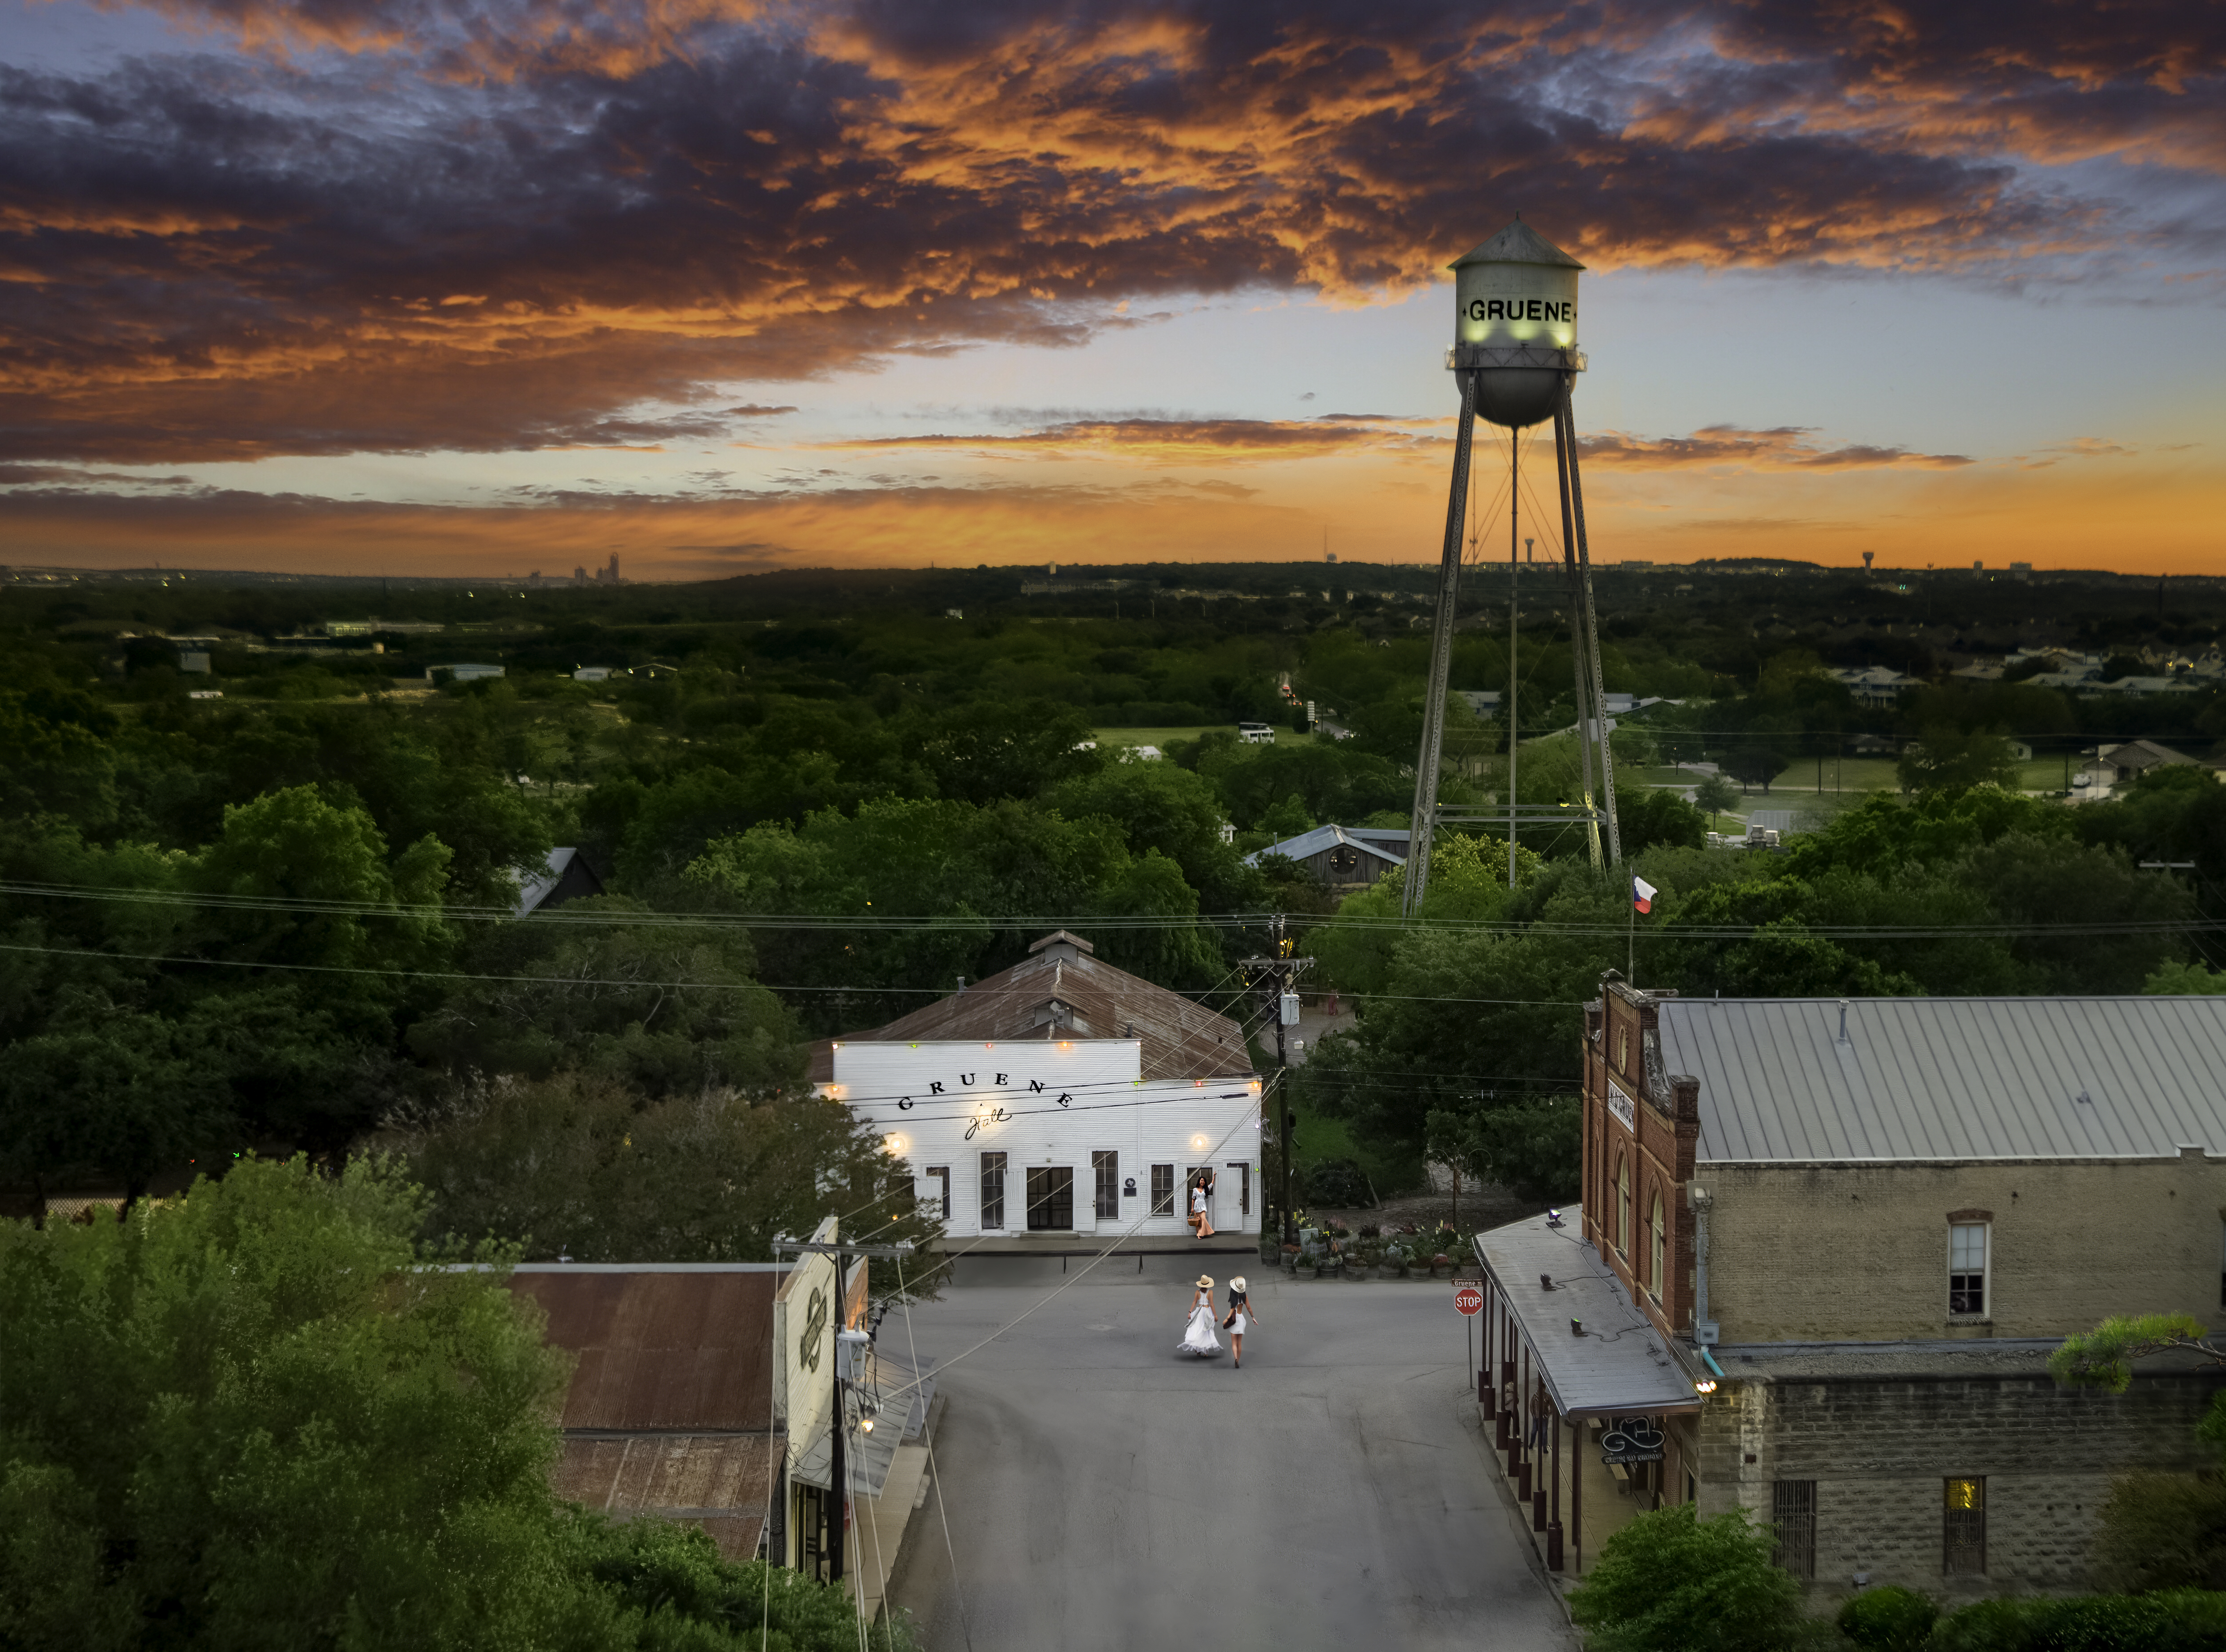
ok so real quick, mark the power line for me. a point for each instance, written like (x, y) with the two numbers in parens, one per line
(1237, 921)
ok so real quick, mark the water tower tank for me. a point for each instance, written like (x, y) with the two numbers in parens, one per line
(1515, 299)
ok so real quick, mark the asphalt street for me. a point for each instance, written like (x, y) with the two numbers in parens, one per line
(1105, 1491)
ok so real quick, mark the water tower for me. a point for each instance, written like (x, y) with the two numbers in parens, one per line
(1515, 361)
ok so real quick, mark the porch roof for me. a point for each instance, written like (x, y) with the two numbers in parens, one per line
(1618, 1365)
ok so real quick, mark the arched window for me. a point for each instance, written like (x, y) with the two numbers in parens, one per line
(1622, 1204)
(1654, 1257)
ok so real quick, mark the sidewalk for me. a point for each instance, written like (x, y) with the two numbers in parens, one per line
(880, 1525)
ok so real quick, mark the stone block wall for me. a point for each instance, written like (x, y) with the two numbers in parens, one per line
(1879, 1450)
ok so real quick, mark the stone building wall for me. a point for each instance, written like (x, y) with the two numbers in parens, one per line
(1880, 1449)
(1847, 1253)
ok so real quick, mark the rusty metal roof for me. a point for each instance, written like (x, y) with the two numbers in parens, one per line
(1063, 992)
(662, 1350)
(715, 1481)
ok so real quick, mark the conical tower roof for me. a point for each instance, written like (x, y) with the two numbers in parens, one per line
(1518, 243)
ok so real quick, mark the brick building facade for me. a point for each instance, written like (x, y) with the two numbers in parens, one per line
(1859, 1229)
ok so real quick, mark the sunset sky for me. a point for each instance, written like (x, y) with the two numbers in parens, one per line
(412, 287)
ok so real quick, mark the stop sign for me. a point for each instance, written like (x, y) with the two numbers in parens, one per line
(1469, 1300)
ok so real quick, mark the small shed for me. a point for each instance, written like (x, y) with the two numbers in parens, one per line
(567, 877)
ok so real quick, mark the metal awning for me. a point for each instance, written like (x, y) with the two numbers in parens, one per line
(866, 1459)
(899, 1385)
(1618, 1365)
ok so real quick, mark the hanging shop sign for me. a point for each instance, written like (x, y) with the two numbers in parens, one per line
(1631, 1439)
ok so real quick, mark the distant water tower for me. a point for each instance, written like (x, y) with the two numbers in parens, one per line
(1515, 359)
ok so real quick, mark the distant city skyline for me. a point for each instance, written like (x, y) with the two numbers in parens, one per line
(425, 288)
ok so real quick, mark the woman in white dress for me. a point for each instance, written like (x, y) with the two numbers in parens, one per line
(1201, 1201)
(1239, 1320)
(1199, 1338)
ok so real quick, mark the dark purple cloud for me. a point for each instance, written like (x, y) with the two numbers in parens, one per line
(530, 226)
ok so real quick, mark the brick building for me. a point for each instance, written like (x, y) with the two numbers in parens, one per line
(1848, 1233)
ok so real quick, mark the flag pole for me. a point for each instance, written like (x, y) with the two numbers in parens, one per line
(1631, 952)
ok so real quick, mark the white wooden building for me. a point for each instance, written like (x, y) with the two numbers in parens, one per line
(1062, 1096)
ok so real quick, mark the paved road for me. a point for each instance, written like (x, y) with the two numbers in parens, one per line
(1105, 1492)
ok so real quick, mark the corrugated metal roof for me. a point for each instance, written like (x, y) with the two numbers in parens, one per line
(1179, 1038)
(1323, 837)
(662, 1350)
(1951, 1077)
(718, 1481)
(1619, 1365)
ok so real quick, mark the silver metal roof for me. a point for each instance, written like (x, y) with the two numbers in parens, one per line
(1323, 837)
(1618, 1365)
(1951, 1079)
(1518, 243)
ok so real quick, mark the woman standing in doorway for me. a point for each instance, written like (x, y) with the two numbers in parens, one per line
(1199, 1338)
(1201, 1205)
(1239, 1320)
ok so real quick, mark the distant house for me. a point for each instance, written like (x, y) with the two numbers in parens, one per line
(592, 674)
(1874, 685)
(567, 877)
(1349, 855)
(2121, 764)
(466, 672)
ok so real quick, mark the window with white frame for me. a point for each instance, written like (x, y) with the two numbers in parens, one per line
(1967, 1267)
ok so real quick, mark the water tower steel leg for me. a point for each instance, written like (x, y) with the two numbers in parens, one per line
(1576, 636)
(1420, 832)
(1591, 626)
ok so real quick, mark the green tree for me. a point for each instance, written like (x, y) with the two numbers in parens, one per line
(991, 750)
(1715, 795)
(1165, 807)
(1671, 1580)
(1534, 1147)
(587, 1168)
(2158, 1530)
(1950, 759)
(253, 1418)
(2174, 980)
(1756, 765)
(667, 1009)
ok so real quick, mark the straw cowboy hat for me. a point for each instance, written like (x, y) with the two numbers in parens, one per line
(1237, 1284)
(1206, 1282)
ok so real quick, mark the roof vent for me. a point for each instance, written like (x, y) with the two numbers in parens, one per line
(1843, 1020)
(1062, 944)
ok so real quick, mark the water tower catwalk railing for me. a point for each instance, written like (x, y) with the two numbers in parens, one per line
(1513, 380)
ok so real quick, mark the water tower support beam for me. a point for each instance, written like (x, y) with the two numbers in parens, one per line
(1422, 827)
(1577, 640)
(1566, 414)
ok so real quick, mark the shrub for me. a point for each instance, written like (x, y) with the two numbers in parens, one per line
(1338, 1183)
(1888, 1619)
(2164, 1531)
(2178, 1620)
(1669, 1580)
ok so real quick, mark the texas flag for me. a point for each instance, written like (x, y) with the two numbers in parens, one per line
(1642, 894)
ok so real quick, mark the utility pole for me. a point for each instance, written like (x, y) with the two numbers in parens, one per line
(1277, 974)
(838, 1485)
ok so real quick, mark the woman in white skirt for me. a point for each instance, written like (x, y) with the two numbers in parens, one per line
(1239, 1320)
(1199, 1338)
(1201, 1205)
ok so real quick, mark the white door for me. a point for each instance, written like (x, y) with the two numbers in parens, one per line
(1086, 1198)
(1229, 1199)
